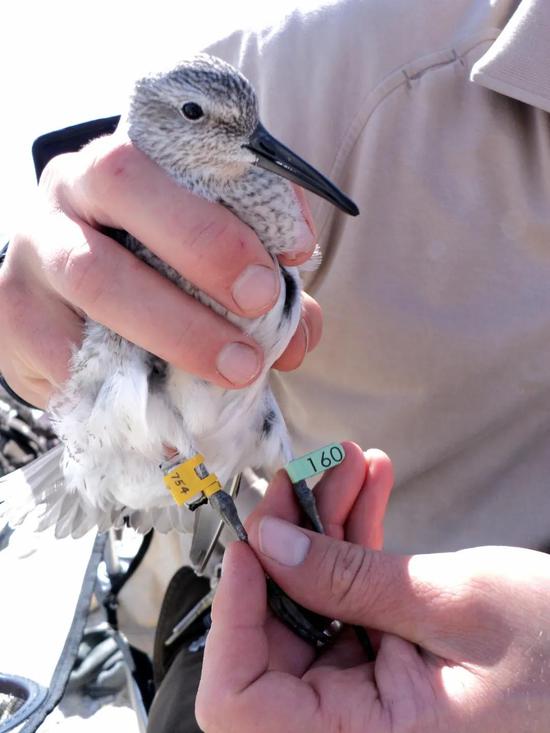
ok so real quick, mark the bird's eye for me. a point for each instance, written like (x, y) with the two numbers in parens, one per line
(192, 111)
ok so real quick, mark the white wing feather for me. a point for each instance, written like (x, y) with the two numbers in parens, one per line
(38, 491)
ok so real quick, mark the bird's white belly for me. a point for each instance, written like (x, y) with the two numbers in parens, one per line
(118, 430)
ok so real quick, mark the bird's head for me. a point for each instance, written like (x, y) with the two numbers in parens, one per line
(196, 119)
(199, 121)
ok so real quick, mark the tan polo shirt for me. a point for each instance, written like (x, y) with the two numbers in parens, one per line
(433, 116)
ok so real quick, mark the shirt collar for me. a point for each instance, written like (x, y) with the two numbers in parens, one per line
(518, 62)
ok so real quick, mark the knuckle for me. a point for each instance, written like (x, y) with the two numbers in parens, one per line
(222, 240)
(295, 352)
(78, 270)
(52, 180)
(109, 169)
(195, 341)
(349, 576)
(313, 316)
(188, 334)
(215, 233)
(205, 234)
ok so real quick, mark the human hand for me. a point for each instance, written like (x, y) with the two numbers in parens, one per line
(61, 267)
(465, 646)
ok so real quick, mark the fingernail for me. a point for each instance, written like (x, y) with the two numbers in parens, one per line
(255, 288)
(282, 541)
(238, 363)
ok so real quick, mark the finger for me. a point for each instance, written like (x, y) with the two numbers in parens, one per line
(365, 525)
(339, 488)
(295, 353)
(405, 596)
(335, 493)
(236, 652)
(299, 257)
(112, 287)
(286, 651)
(306, 337)
(354, 494)
(201, 240)
(235, 682)
(278, 501)
(344, 652)
(400, 666)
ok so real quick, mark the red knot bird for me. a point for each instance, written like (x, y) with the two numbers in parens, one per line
(131, 424)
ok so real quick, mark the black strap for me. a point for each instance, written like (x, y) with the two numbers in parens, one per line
(143, 668)
(119, 581)
(69, 140)
(15, 396)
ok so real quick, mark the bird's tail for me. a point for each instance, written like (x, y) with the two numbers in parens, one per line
(38, 489)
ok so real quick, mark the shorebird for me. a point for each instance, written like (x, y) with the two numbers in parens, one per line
(126, 418)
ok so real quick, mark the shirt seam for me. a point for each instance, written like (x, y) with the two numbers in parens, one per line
(403, 75)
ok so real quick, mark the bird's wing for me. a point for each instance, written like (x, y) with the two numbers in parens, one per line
(38, 490)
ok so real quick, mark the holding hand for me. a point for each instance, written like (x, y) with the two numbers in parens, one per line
(465, 642)
(63, 266)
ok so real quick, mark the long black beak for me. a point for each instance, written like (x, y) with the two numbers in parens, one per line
(276, 157)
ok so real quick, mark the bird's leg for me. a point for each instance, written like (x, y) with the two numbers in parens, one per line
(306, 625)
(305, 467)
(306, 499)
(225, 506)
(189, 482)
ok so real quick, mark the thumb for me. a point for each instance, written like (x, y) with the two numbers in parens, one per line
(402, 595)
